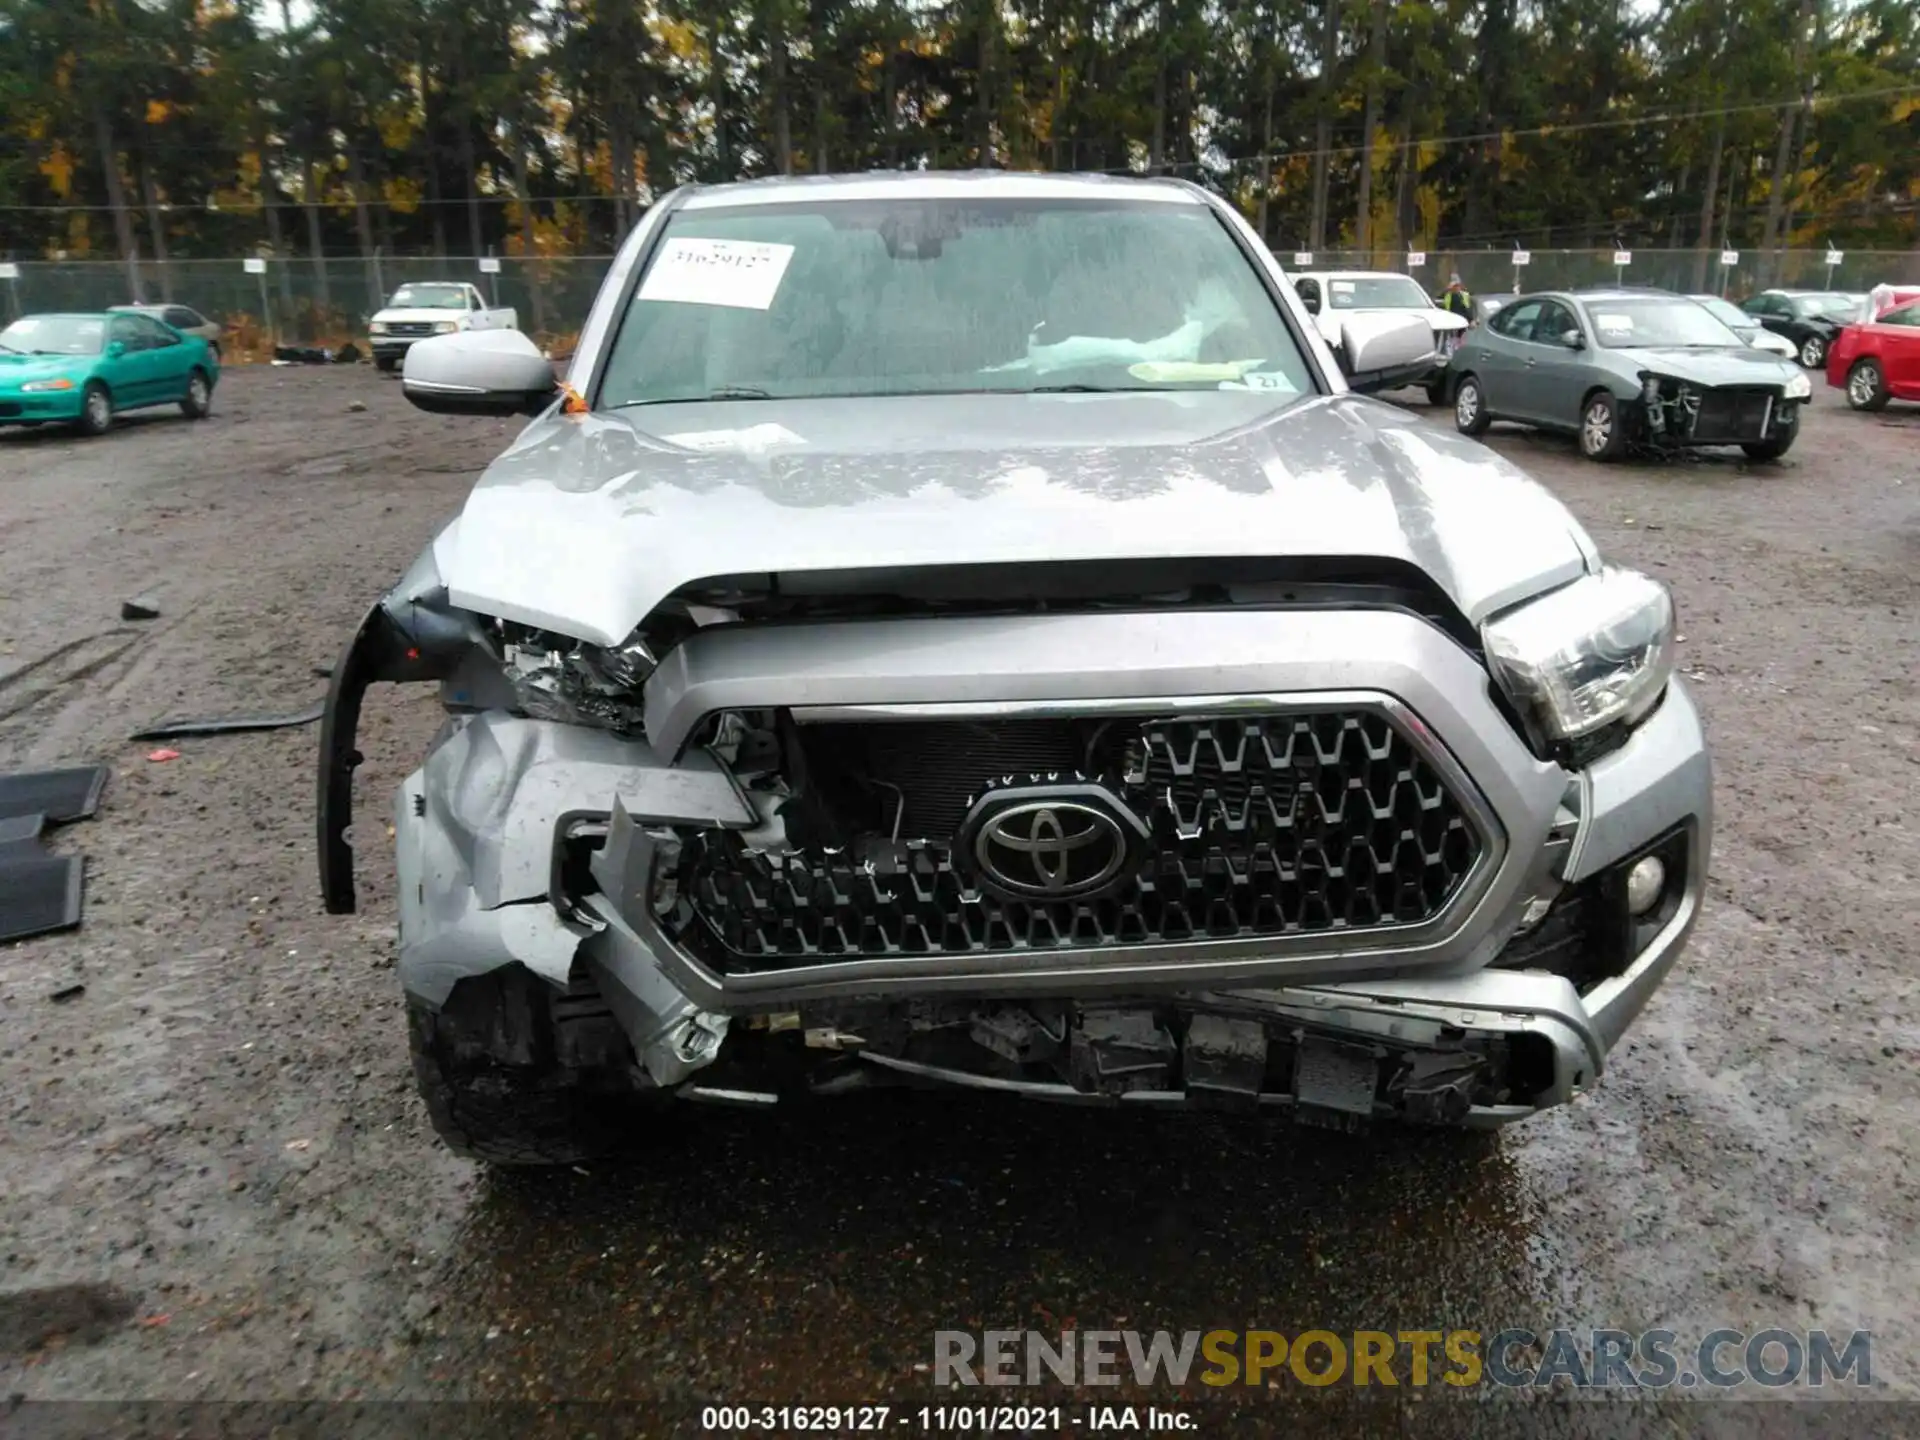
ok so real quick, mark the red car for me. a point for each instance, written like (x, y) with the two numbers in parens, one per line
(1878, 361)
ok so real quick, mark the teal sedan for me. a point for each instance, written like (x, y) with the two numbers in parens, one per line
(82, 370)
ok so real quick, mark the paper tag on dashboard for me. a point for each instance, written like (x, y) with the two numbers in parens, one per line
(744, 274)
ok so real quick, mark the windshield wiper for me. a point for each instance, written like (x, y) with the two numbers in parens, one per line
(724, 392)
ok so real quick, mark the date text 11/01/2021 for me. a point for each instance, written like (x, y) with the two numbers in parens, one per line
(944, 1419)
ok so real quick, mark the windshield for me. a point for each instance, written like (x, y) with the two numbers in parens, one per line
(1622, 324)
(1376, 292)
(55, 335)
(429, 297)
(1833, 307)
(947, 296)
(1726, 312)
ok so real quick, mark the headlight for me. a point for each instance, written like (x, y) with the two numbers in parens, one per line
(558, 678)
(1594, 652)
(58, 383)
(445, 327)
(377, 327)
(1799, 387)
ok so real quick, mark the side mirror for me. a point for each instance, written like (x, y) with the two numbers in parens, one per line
(479, 372)
(1380, 351)
(1310, 299)
(116, 348)
(1573, 340)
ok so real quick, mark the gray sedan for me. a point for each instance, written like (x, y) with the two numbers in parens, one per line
(1625, 368)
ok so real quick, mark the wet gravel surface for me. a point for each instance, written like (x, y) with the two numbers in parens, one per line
(216, 1182)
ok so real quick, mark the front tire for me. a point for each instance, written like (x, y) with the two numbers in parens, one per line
(96, 410)
(1437, 393)
(1470, 407)
(1813, 352)
(198, 401)
(511, 1078)
(1603, 434)
(384, 364)
(1866, 386)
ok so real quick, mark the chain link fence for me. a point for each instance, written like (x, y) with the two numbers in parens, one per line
(327, 303)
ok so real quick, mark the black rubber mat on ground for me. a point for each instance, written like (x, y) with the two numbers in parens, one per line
(60, 795)
(38, 891)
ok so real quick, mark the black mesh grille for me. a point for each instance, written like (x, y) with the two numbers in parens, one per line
(1269, 826)
(1729, 414)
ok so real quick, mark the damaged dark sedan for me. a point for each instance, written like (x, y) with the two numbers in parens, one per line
(961, 630)
(1626, 369)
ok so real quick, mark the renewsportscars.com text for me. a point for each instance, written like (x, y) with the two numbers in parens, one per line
(1515, 1358)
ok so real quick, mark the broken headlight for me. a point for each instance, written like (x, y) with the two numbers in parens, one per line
(1588, 655)
(555, 677)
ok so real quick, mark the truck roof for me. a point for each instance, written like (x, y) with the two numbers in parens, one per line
(941, 185)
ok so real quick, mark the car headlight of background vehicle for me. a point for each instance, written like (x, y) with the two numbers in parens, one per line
(59, 382)
(445, 327)
(377, 327)
(1798, 387)
(1591, 654)
(555, 677)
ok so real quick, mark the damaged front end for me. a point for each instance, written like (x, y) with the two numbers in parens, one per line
(487, 828)
(1676, 413)
(719, 861)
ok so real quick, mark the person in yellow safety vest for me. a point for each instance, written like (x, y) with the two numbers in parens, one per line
(1456, 299)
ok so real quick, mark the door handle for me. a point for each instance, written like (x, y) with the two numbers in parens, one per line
(1531, 362)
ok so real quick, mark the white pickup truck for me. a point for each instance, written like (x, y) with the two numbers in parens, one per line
(1332, 296)
(437, 308)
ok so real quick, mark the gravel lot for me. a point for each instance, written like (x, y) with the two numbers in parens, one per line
(216, 1182)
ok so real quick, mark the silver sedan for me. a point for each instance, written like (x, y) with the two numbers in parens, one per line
(1625, 369)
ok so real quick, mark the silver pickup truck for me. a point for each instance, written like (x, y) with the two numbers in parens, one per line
(960, 629)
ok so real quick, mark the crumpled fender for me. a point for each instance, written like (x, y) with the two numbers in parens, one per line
(411, 635)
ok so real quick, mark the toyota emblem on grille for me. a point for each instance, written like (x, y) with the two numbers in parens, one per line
(1050, 846)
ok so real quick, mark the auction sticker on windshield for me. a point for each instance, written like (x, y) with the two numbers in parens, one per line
(1617, 324)
(745, 274)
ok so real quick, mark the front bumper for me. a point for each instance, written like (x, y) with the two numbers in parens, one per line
(1670, 427)
(394, 347)
(40, 407)
(492, 873)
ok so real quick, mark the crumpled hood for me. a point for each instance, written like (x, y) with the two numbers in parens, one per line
(1729, 365)
(587, 522)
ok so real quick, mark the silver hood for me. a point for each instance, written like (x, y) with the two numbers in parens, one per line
(1726, 365)
(588, 522)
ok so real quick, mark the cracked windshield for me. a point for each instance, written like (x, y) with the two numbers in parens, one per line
(938, 297)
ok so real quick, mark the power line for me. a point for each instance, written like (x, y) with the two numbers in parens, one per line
(1627, 122)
